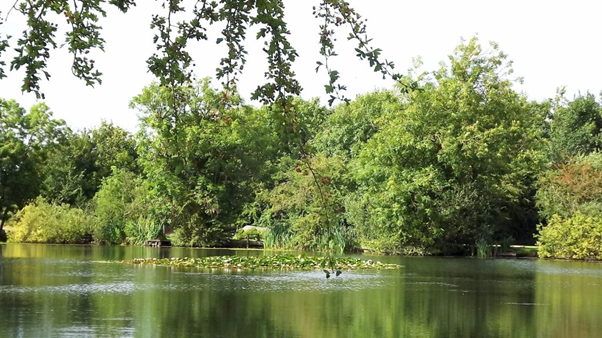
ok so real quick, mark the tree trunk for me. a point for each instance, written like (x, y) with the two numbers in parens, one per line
(4, 218)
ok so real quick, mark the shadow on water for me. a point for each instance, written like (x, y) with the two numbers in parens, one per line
(68, 291)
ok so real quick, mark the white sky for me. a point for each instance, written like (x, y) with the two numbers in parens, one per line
(552, 43)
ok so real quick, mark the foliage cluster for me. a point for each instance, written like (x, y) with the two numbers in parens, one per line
(204, 159)
(572, 186)
(570, 199)
(74, 170)
(252, 234)
(575, 127)
(569, 193)
(25, 142)
(304, 209)
(451, 166)
(41, 157)
(45, 222)
(124, 210)
(576, 237)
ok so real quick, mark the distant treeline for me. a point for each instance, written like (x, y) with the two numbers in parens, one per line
(462, 162)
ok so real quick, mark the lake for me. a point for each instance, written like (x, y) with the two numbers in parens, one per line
(71, 291)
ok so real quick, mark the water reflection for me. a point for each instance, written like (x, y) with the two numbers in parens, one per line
(69, 291)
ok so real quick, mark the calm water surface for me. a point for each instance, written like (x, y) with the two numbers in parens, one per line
(70, 291)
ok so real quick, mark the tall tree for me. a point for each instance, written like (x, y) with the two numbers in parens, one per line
(74, 170)
(205, 159)
(114, 147)
(450, 164)
(25, 140)
(70, 171)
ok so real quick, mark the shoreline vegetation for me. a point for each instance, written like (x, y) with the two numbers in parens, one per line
(460, 165)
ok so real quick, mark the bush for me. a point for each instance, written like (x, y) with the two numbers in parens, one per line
(576, 237)
(112, 204)
(392, 246)
(125, 210)
(574, 186)
(253, 234)
(196, 230)
(43, 222)
(304, 210)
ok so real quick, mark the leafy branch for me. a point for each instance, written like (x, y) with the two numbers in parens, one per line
(33, 51)
(33, 48)
(3, 46)
(336, 13)
(172, 61)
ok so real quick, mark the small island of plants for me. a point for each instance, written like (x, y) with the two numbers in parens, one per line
(272, 262)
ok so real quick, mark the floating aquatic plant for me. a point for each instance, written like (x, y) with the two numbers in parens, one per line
(329, 265)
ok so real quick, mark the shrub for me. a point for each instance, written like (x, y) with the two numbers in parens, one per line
(253, 234)
(392, 246)
(572, 186)
(196, 230)
(43, 222)
(304, 210)
(126, 210)
(112, 202)
(576, 237)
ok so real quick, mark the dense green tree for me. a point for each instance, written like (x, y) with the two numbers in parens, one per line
(304, 210)
(25, 140)
(75, 169)
(113, 147)
(126, 210)
(447, 167)
(576, 127)
(69, 173)
(204, 157)
(351, 125)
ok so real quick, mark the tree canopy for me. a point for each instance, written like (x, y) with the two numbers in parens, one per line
(454, 162)
(25, 140)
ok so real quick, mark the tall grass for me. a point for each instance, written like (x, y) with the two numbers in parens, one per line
(484, 249)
